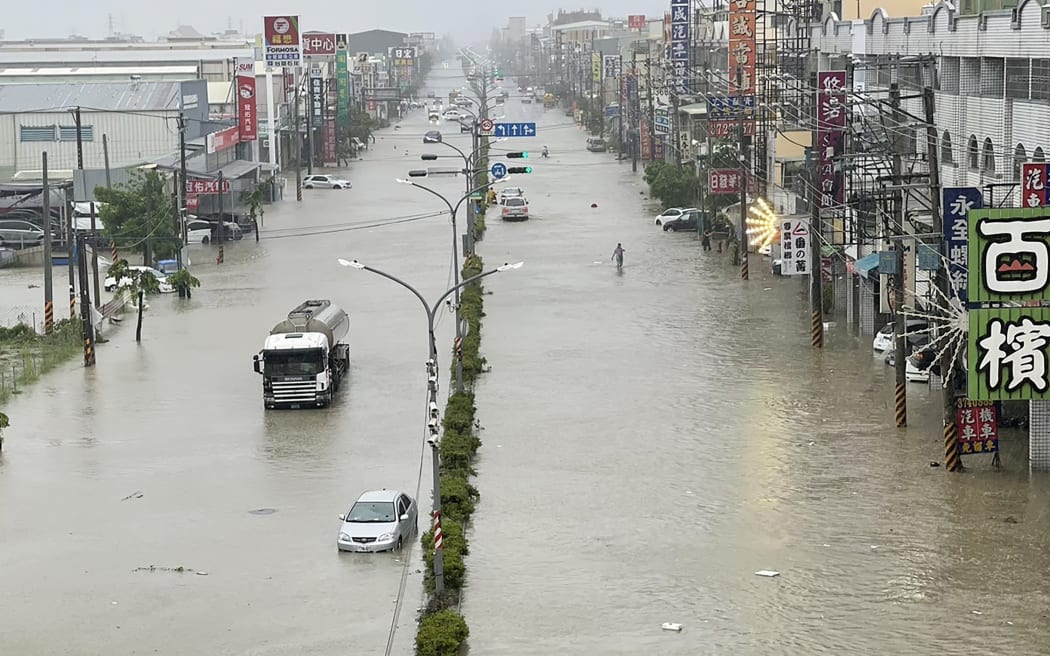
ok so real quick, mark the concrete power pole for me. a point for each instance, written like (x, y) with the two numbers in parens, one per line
(816, 284)
(900, 340)
(49, 299)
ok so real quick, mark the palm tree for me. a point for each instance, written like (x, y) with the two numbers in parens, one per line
(140, 283)
(256, 199)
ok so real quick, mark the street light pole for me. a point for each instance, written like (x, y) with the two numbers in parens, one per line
(432, 385)
(453, 210)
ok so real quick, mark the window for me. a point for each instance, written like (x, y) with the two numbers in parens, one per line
(1020, 157)
(988, 157)
(69, 132)
(29, 133)
(972, 155)
(1017, 78)
(1037, 155)
(946, 149)
(1040, 79)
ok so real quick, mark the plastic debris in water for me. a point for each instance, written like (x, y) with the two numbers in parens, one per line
(671, 626)
(767, 572)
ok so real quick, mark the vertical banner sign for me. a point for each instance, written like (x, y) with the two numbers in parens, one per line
(281, 45)
(1033, 185)
(316, 94)
(956, 203)
(724, 181)
(742, 49)
(831, 137)
(247, 108)
(1009, 266)
(680, 45)
(329, 147)
(636, 21)
(794, 247)
(612, 66)
(647, 143)
(342, 80)
(978, 423)
(596, 67)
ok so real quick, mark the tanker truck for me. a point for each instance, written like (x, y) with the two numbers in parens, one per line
(304, 358)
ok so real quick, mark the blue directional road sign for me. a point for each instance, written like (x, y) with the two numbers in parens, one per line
(514, 130)
(498, 170)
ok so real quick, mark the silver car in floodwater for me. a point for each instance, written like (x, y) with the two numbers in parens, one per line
(380, 520)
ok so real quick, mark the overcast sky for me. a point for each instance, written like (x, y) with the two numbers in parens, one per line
(467, 20)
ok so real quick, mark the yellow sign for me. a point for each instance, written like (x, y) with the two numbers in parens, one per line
(596, 66)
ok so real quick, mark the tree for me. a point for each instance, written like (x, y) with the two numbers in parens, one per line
(4, 423)
(723, 156)
(256, 199)
(135, 283)
(361, 124)
(139, 216)
(673, 186)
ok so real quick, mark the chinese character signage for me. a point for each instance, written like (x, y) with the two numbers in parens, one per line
(247, 120)
(596, 66)
(342, 80)
(680, 44)
(329, 145)
(956, 203)
(197, 186)
(318, 44)
(978, 423)
(1007, 355)
(724, 181)
(636, 21)
(215, 142)
(1009, 255)
(281, 45)
(742, 48)
(611, 66)
(831, 137)
(794, 247)
(316, 94)
(646, 141)
(1033, 185)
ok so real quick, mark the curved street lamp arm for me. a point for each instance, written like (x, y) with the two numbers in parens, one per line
(404, 284)
(443, 199)
(466, 282)
(461, 153)
(470, 193)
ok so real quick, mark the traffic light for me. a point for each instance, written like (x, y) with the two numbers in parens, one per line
(519, 169)
(522, 155)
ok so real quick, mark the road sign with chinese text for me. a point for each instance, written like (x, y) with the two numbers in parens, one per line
(978, 423)
(956, 203)
(1007, 354)
(636, 21)
(1009, 255)
(514, 130)
(794, 247)
(724, 181)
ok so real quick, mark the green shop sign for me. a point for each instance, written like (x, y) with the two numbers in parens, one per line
(342, 77)
(1007, 354)
(1009, 255)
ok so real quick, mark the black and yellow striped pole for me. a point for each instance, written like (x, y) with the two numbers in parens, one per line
(85, 309)
(817, 330)
(952, 461)
(816, 284)
(49, 317)
(72, 303)
(113, 252)
(900, 405)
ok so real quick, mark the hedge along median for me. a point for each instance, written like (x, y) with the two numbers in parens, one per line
(442, 630)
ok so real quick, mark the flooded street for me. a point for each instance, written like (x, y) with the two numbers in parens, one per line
(652, 438)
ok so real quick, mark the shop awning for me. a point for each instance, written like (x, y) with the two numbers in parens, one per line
(867, 264)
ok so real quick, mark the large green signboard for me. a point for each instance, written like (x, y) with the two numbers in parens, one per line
(342, 81)
(1007, 354)
(1009, 255)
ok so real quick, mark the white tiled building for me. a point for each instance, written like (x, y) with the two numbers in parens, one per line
(992, 83)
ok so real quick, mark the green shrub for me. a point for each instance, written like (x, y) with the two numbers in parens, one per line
(455, 546)
(457, 497)
(441, 634)
(459, 413)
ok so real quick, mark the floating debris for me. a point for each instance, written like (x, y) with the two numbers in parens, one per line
(767, 572)
(176, 570)
(671, 626)
(262, 511)
(133, 495)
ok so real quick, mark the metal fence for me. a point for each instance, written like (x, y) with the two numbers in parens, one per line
(26, 354)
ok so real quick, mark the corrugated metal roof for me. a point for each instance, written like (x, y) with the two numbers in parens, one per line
(105, 96)
(97, 70)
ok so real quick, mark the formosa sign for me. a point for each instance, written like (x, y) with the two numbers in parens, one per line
(281, 44)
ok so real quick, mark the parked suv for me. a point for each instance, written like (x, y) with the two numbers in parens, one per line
(15, 233)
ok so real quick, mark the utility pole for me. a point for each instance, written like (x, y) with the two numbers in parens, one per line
(952, 461)
(816, 283)
(744, 182)
(900, 340)
(85, 310)
(94, 257)
(310, 121)
(80, 139)
(70, 231)
(49, 299)
(222, 221)
(439, 549)
(298, 148)
(183, 182)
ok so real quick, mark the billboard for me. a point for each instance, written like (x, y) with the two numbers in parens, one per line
(636, 21)
(281, 45)
(742, 48)
(247, 116)
(831, 138)
(318, 44)
(795, 250)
